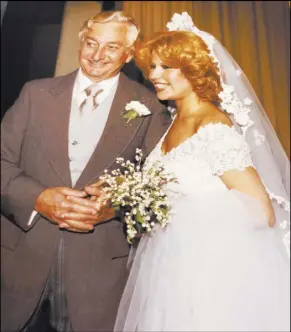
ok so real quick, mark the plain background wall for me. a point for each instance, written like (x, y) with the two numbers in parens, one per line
(75, 13)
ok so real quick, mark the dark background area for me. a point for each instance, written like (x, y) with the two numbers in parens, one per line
(30, 34)
(30, 39)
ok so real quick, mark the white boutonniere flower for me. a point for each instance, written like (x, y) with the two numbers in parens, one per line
(135, 109)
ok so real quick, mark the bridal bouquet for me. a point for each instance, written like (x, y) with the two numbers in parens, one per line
(137, 192)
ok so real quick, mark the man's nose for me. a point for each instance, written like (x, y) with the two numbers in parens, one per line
(99, 54)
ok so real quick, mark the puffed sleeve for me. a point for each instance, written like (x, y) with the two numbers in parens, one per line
(225, 148)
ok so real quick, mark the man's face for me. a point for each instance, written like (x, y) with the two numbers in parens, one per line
(103, 51)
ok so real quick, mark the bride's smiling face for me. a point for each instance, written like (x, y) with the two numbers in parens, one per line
(170, 83)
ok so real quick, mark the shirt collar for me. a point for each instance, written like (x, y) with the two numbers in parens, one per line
(84, 82)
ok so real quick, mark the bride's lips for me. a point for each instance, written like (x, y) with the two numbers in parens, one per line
(160, 86)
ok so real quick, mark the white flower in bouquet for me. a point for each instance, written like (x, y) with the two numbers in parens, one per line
(138, 193)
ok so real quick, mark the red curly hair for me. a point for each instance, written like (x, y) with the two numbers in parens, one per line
(189, 53)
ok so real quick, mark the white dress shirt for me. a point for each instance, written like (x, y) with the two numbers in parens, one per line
(86, 127)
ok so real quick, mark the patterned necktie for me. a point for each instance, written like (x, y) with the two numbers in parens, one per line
(90, 103)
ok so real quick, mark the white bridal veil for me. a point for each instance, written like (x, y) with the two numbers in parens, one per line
(239, 100)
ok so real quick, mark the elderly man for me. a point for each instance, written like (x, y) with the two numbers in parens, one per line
(64, 258)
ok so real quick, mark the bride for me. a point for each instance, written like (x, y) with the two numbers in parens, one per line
(222, 264)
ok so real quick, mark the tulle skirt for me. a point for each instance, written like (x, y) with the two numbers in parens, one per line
(216, 267)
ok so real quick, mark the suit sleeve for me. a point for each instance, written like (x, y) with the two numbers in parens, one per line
(18, 190)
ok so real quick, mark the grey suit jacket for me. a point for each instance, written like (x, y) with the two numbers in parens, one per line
(34, 156)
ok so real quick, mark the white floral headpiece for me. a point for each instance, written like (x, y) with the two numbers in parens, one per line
(230, 102)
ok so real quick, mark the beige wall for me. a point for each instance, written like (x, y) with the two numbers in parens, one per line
(76, 12)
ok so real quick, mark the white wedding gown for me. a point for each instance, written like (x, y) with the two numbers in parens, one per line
(217, 266)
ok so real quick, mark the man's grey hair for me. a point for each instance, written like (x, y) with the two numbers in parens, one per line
(113, 16)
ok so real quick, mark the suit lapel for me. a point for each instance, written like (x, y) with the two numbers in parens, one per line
(54, 123)
(115, 138)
